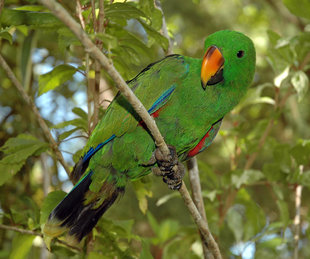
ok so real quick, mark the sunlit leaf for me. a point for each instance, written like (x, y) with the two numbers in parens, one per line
(55, 78)
(155, 36)
(246, 177)
(5, 34)
(49, 203)
(21, 246)
(15, 17)
(148, 6)
(300, 8)
(300, 81)
(142, 192)
(80, 112)
(166, 198)
(16, 151)
(123, 10)
(284, 213)
(66, 134)
(235, 221)
(145, 253)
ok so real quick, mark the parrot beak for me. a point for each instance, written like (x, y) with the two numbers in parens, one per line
(212, 67)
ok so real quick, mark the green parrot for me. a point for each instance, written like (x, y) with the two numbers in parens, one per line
(188, 99)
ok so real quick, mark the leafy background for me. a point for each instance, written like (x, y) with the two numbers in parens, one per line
(250, 175)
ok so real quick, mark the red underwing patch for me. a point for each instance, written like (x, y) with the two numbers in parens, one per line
(200, 145)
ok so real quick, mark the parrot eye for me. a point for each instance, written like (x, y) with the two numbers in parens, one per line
(240, 54)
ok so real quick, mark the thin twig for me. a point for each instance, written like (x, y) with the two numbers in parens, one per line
(194, 179)
(87, 59)
(20, 230)
(1, 5)
(203, 227)
(42, 123)
(46, 175)
(95, 53)
(34, 233)
(79, 13)
(99, 28)
(298, 194)
(164, 30)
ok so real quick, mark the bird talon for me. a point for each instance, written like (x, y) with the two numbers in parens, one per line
(171, 170)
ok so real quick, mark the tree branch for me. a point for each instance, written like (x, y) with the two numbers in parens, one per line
(1, 5)
(194, 179)
(34, 233)
(298, 194)
(95, 53)
(42, 123)
(192, 163)
(202, 225)
(164, 30)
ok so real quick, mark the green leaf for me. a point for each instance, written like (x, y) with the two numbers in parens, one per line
(66, 38)
(148, 6)
(8, 171)
(66, 134)
(154, 36)
(142, 192)
(300, 81)
(253, 216)
(235, 221)
(145, 253)
(108, 40)
(301, 152)
(166, 198)
(49, 203)
(211, 195)
(152, 221)
(21, 147)
(16, 151)
(125, 225)
(125, 11)
(305, 179)
(5, 34)
(284, 213)
(79, 122)
(299, 8)
(272, 172)
(55, 78)
(246, 177)
(15, 17)
(167, 230)
(80, 112)
(21, 246)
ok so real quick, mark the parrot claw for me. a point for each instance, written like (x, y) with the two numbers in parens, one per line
(172, 170)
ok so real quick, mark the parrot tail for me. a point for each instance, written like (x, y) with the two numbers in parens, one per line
(78, 213)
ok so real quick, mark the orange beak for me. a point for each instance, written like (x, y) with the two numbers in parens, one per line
(211, 68)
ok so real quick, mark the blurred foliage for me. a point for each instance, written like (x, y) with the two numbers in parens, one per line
(249, 175)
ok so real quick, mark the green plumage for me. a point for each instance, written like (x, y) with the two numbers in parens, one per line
(184, 112)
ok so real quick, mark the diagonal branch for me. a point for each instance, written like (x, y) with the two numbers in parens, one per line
(95, 53)
(192, 163)
(297, 218)
(194, 179)
(36, 112)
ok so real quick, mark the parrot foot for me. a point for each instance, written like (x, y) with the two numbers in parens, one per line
(171, 170)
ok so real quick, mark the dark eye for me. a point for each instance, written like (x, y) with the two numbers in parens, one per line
(240, 54)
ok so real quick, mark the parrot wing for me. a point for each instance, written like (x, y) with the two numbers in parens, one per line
(154, 86)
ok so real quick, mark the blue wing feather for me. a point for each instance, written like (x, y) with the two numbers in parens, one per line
(156, 105)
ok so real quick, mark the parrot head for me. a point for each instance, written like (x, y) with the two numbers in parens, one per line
(229, 57)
